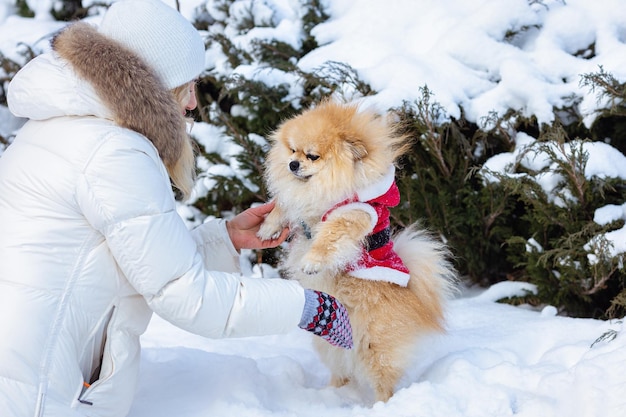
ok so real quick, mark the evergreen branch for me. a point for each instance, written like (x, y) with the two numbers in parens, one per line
(607, 336)
(600, 282)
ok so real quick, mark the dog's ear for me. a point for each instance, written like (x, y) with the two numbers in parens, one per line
(356, 147)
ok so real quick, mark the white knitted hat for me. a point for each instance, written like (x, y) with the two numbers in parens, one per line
(160, 35)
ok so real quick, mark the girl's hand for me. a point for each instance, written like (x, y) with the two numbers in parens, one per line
(243, 229)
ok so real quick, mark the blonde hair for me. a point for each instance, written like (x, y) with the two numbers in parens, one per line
(183, 172)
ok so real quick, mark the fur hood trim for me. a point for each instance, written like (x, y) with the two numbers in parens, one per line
(126, 85)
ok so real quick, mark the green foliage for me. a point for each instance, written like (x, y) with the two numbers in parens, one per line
(63, 10)
(314, 15)
(499, 225)
(569, 259)
(439, 187)
(512, 228)
(69, 10)
(610, 126)
(507, 228)
(247, 109)
(23, 9)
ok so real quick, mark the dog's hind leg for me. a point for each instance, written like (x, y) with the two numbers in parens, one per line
(382, 371)
(339, 381)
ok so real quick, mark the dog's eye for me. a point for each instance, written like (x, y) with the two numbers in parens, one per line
(292, 150)
(312, 157)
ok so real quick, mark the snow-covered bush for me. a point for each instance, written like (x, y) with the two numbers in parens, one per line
(517, 196)
(520, 201)
(564, 248)
(439, 187)
(251, 84)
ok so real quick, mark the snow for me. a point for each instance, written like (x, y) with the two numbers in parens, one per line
(459, 50)
(506, 289)
(495, 359)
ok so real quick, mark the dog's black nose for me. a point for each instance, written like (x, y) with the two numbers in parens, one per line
(294, 165)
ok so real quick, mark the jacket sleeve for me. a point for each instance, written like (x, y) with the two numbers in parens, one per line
(125, 194)
(215, 246)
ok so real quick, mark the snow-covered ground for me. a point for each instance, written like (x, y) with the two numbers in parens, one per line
(495, 360)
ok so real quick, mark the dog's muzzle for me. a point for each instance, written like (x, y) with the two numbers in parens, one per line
(294, 167)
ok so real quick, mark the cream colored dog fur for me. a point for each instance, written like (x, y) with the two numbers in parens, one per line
(317, 160)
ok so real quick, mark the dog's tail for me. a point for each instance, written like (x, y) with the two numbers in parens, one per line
(433, 278)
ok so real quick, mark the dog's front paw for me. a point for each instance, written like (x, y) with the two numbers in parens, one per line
(311, 268)
(312, 263)
(272, 226)
(269, 231)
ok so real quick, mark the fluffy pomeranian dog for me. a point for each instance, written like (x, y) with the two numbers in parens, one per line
(331, 172)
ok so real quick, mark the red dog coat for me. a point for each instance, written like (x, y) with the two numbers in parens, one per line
(378, 261)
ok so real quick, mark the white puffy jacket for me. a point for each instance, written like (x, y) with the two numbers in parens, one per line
(91, 245)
